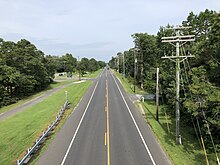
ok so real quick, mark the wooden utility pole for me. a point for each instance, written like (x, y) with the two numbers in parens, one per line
(142, 70)
(79, 69)
(157, 95)
(141, 62)
(180, 41)
(135, 68)
(118, 64)
(124, 65)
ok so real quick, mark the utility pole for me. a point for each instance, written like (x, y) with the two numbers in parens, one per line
(135, 68)
(157, 95)
(117, 57)
(79, 69)
(124, 65)
(139, 49)
(115, 62)
(180, 41)
(142, 69)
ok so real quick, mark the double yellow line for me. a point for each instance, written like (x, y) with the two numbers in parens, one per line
(107, 137)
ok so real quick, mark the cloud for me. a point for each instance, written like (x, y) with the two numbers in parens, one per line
(98, 28)
(63, 12)
(93, 45)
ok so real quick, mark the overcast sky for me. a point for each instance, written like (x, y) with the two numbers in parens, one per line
(91, 28)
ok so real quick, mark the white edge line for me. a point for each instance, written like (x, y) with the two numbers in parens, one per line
(74, 136)
(135, 123)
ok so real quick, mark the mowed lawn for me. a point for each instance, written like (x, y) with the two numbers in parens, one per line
(26, 99)
(19, 132)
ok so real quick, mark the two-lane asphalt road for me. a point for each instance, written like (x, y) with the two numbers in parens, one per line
(104, 129)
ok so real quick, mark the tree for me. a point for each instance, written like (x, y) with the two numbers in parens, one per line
(69, 62)
(22, 70)
(52, 64)
(147, 56)
(84, 65)
(199, 89)
(93, 65)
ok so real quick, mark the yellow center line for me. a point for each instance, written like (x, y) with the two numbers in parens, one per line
(107, 125)
(105, 138)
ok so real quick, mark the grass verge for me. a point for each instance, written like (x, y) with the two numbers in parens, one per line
(92, 74)
(128, 86)
(19, 132)
(190, 152)
(26, 99)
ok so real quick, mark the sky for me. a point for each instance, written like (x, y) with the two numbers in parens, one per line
(91, 28)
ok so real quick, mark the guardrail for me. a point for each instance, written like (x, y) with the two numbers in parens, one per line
(40, 140)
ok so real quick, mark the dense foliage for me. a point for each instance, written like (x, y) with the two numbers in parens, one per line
(200, 76)
(25, 70)
(22, 70)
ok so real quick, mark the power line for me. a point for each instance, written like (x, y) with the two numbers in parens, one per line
(201, 141)
(180, 41)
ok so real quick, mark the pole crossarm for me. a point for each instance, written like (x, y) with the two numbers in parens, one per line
(176, 37)
(178, 27)
(179, 40)
(177, 56)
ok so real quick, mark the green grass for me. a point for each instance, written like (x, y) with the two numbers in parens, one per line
(26, 99)
(76, 75)
(92, 74)
(19, 132)
(190, 152)
(64, 76)
(128, 86)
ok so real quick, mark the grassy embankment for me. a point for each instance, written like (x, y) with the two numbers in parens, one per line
(19, 132)
(51, 86)
(190, 152)
(128, 86)
(92, 75)
(26, 99)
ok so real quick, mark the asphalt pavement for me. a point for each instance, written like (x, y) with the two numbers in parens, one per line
(105, 128)
(32, 102)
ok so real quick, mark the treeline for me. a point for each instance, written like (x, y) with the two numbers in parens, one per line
(69, 64)
(25, 70)
(200, 76)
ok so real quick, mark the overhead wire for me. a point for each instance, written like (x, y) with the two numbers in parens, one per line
(212, 141)
(187, 80)
(202, 145)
